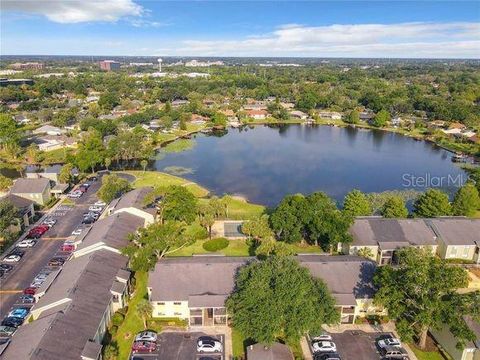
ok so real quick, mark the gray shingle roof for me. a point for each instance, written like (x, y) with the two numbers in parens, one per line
(17, 201)
(457, 231)
(275, 351)
(135, 198)
(30, 186)
(370, 231)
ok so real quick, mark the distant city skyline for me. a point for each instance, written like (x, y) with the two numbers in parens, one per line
(420, 29)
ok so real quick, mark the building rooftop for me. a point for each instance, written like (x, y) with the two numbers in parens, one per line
(373, 231)
(17, 201)
(53, 169)
(30, 186)
(275, 351)
(135, 198)
(456, 231)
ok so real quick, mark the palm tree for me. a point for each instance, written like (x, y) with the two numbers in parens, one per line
(144, 309)
(144, 164)
(108, 162)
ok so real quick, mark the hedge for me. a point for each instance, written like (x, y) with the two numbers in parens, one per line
(215, 244)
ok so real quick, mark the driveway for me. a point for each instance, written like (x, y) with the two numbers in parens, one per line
(180, 346)
(68, 217)
(357, 345)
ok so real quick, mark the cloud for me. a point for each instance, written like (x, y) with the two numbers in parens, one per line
(76, 11)
(418, 39)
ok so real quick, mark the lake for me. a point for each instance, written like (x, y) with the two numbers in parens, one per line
(265, 163)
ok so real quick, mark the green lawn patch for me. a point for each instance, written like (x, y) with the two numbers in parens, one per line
(234, 248)
(155, 178)
(179, 146)
(240, 209)
(426, 355)
(215, 244)
(133, 322)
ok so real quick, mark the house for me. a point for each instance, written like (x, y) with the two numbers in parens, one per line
(31, 171)
(195, 288)
(37, 190)
(52, 173)
(471, 350)
(287, 105)
(198, 119)
(379, 238)
(275, 351)
(177, 103)
(366, 116)
(297, 114)
(330, 115)
(458, 238)
(255, 105)
(49, 130)
(437, 124)
(25, 208)
(396, 121)
(257, 114)
(133, 203)
(21, 119)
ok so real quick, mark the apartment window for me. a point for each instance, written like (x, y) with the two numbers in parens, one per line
(177, 303)
(160, 314)
(177, 313)
(465, 251)
(115, 298)
(453, 251)
(160, 303)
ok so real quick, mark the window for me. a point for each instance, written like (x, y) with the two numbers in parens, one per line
(160, 303)
(177, 313)
(453, 251)
(177, 303)
(115, 298)
(160, 314)
(465, 251)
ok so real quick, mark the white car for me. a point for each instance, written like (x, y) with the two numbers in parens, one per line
(77, 232)
(100, 203)
(75, 194)
(322, 337)
(27, 243)
(12, 258)
(324, 346)
(49, 222)
(95, 208)
(210, 345)
(146, 336)
(389, 341)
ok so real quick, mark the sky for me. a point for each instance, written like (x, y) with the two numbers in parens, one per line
(394, 29)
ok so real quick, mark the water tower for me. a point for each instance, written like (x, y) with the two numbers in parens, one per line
(159, 65)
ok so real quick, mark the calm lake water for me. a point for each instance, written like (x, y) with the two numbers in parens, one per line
(266, 163)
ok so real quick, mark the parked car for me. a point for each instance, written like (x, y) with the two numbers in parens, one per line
(322, 337)
(7, 330)
(208, 344)
(20, 312)
(37, 284)
(68, 247)
(88, 220)
(27, 299)
(4, 342)
(327, 356)
(146, 336)
(17, 251)
(12, 258)
(393, 352)
(324, 346)
(389, 341)
(75, 194)
(56, 261)
(100, 203)
(77, 232)
(30, 291)
(95, 208)
(6, 267)
(12, 321)
(92, 178)
(27, 243)
(91, 214)
(144, 346)
(49, 222)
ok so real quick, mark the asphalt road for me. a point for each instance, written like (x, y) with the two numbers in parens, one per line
(36, 258)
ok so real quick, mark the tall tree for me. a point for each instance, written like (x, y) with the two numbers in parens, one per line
(8, 131)
(416, 293)
(65, 175)
(277, 298)
(394, 207)
(179, 204)
(353, 117)
(91, 152)
(356, 204)
(466, 201)
(288, 218)
(432, 203)
(5, 183)
(381, 118)
(144, 309)
(112, 187)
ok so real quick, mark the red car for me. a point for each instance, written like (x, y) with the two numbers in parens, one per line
(68, 247)
(144, 346)
(30, 291)
(38, 231)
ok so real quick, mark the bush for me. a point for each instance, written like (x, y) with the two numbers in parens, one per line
(113, 331)
(215, 244)
(117, 319)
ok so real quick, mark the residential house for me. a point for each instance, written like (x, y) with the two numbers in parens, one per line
(179, 102)
(133, 203)
(471, 350)
(287, 105)
(31, 171)
(381, 238)
(37, 190)
(255, 105)
(330, 115)
(25, 208)
(49, 130)
(396, 121)
(52, 173)
(458, 238)
(21, 119)
(230, 114)
(257, 114)
(275, 351)
(366, 116)
(195, 288)
(297, 114)
(198, 119)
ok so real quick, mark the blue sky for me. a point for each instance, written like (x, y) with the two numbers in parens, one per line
(242, 28)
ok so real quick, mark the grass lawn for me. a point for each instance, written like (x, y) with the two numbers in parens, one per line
(239, 344)
(239, 209)
(133, 322)
(426, 355)
(235, 248)
(155, 178)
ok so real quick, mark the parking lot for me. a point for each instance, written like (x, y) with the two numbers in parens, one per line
(68, 218)
(181, 346)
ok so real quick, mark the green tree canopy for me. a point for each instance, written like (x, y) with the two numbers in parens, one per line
(356, 203)
(417, 292)
(179, 204)
(381, 118)
(65, 175)
(394, 207)
(5, 183)
(8, 131)
(91, 152)
(466, 201)
(277, 298)
(288, 218)
(112, 187)
(353, 117)
(432, 203)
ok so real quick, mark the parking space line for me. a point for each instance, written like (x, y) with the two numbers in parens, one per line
(54, 238)
(10, 291)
